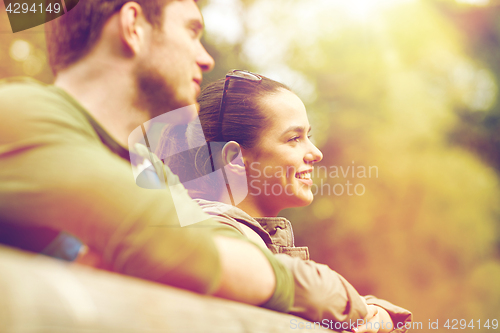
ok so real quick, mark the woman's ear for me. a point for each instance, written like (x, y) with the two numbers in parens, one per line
(232, 157)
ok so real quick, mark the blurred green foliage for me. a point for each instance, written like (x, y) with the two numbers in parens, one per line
(408, 87)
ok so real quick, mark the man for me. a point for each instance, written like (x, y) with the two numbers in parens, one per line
(63, 160)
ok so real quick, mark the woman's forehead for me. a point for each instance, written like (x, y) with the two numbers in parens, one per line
(284, 110)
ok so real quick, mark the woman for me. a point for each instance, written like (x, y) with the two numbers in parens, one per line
(258, 161)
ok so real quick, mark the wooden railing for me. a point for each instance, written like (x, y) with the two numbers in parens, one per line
(40, 294)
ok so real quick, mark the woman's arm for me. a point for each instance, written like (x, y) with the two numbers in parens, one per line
(321, 293)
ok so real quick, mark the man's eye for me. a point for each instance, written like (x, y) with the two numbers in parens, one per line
(195, 31)
(295, 138)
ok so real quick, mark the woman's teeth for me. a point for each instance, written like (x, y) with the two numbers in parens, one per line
(306, 175)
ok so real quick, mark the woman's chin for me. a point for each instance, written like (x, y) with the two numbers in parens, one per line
(309, 201)
(303, 200)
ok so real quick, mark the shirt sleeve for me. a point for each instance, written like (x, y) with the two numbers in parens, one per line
(321, 293)
(400, 317)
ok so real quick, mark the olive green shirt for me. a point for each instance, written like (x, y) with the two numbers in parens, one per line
(61, 170)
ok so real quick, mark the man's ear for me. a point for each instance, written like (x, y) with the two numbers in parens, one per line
(133, 27)
(232, 157)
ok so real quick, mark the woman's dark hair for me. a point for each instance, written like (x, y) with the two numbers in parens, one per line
(243, 122)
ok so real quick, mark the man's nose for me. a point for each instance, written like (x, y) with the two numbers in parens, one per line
(205, 60)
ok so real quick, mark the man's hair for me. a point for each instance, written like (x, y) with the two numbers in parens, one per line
(71, 36)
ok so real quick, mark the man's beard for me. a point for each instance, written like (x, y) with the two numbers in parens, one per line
(154, 94)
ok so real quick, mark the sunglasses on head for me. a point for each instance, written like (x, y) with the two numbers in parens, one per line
(234, 74)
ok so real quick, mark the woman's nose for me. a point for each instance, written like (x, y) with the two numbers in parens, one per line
(314, 155)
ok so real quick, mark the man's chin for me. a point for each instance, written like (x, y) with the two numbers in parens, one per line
(182, 115)
(195, 111)
(156, 95)
(186, 102)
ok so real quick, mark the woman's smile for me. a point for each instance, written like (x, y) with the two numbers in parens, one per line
(304, 177)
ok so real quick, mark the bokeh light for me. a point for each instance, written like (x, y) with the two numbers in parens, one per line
(20, 50)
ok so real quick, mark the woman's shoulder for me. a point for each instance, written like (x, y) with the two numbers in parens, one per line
(216, 208)
(236, 218)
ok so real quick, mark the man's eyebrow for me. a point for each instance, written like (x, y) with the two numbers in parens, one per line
(298, 129)
(196, 24)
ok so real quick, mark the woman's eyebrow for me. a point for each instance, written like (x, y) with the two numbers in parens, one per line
(298, 129)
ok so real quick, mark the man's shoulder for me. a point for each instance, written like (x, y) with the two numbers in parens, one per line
(26, 102)
(15, 87)
(33, 113)
(19, 92)
(25, 95)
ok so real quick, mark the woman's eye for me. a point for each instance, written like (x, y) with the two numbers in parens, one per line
(295, 138)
